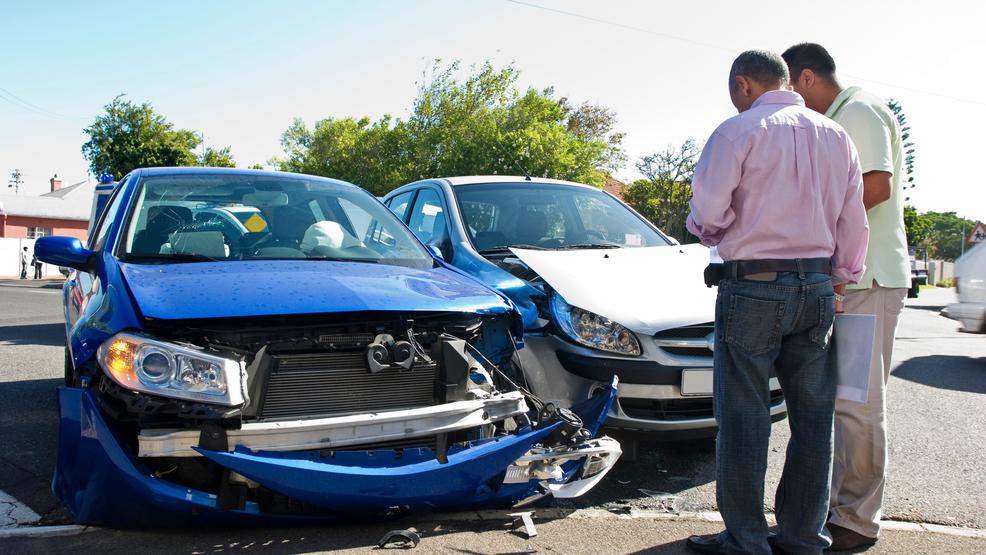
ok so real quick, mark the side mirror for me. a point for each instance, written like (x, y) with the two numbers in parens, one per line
(436, 252)
(63, 251)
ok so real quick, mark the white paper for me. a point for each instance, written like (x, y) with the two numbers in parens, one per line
(853, 343)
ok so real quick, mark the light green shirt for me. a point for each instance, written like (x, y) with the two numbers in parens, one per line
(876, 133)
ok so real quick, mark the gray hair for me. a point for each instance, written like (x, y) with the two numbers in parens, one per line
(763, 66)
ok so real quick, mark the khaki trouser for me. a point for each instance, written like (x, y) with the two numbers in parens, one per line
(859, 469)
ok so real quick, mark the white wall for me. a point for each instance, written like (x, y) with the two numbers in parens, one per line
(10, 260)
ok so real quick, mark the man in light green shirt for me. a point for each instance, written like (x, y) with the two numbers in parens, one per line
(860, 457)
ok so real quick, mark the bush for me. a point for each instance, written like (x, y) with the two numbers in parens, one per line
(947, 282)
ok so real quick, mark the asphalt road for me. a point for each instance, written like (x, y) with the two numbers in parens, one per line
(937, 400)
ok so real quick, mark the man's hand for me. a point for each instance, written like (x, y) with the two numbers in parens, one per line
(876, 188)
(840, 291)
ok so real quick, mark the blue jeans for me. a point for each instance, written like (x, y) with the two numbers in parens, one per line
(782, 326)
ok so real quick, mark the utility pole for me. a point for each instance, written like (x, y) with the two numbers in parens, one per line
(15, 181)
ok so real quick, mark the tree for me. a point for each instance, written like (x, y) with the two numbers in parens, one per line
(917, 226)
(216, 158)
(130, 136)
(947, 235)
(480, 125)
(663, 196)
(906, 144)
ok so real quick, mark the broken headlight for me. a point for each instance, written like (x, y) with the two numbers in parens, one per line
(170, 370)
(592, 330)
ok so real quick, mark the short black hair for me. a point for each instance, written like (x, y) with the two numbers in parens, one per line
(763, 66)
(809, 55)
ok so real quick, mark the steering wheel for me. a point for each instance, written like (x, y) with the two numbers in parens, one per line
(599, 234)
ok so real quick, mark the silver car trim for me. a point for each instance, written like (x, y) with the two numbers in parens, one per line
(342, 431)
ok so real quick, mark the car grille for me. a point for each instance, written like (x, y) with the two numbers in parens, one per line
(336, 383)
(686, 341)
(677, 409)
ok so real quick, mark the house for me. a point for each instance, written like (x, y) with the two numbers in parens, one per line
(23, 219)
(62, 211)
(614, 186)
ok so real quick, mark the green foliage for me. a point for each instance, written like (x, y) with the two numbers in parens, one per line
(942, 233)
(663, 196)
(216, 158)
(906, 144)
(917, 226)
(130, 136)
(257, 166)
(480, 125)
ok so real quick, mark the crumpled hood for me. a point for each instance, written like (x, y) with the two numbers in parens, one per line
(647, 289)
(275, 287)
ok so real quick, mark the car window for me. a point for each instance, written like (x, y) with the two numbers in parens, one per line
(98, 238)
(498, 215)
(400, 203)
(218, 217)
(428, 217)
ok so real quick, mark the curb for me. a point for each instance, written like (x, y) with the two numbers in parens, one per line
(586, 514)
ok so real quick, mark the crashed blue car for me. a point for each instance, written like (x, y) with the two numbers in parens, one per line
(247, 347)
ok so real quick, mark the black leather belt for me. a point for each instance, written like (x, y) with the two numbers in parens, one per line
(736, 269)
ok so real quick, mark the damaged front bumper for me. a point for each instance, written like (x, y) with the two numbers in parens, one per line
(101, 475)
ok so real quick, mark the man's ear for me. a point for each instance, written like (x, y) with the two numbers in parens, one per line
(742, 85)
(807, 79)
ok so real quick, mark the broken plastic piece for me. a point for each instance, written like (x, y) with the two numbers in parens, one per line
(667, 501)
(404, 539)
(525, 517)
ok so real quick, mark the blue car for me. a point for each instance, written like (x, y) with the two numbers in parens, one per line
(249, 347)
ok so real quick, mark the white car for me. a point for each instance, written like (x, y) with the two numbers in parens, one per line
(970, 284)
(603, 292)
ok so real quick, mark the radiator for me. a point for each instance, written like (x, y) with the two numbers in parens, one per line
(332, 384)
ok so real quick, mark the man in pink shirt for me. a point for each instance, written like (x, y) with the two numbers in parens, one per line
(778, 190)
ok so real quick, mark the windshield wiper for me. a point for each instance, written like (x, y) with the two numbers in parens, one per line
(177, 257)
(588, 246)
(341, 259)
(506, 248)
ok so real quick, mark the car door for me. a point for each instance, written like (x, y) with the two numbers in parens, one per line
(428, 220)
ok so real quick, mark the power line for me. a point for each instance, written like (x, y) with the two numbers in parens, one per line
(33, 108)
(725, 49)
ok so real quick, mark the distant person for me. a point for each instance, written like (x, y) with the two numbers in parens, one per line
(37, 266)
(24, 263)
(778, 190)
(860, 460)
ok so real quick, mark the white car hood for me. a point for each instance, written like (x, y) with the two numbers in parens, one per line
(647, 289)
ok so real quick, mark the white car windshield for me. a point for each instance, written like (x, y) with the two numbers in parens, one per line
(549, 216)
(212, 217)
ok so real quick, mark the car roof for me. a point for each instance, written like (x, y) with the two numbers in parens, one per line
(487, 179)
(196, 170)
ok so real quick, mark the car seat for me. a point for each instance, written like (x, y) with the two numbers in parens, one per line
(162, 221)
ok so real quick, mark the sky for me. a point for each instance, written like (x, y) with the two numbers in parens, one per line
(239, 71)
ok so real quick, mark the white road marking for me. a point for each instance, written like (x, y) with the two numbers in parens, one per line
(14, 513)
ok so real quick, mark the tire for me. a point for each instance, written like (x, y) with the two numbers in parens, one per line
(912, 293)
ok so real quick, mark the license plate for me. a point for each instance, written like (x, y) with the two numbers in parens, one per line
(695, 383)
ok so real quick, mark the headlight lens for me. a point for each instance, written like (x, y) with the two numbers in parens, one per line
(161, 368)
(592, 330)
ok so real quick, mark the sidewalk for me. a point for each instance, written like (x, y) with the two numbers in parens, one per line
(586, 531)
(50, 282)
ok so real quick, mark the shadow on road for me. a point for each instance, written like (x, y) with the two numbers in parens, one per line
(29, 431)
(929, 308)
(956, 373)
(33, 334)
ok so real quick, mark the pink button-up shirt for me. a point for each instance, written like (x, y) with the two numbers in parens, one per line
(780, 181)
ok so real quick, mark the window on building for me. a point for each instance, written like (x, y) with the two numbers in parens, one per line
(37, 232)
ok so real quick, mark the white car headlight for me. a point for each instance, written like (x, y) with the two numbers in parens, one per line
(592, 330)
(170, 370)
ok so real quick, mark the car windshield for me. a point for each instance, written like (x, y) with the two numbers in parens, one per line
(209, 217)
(501, 215)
